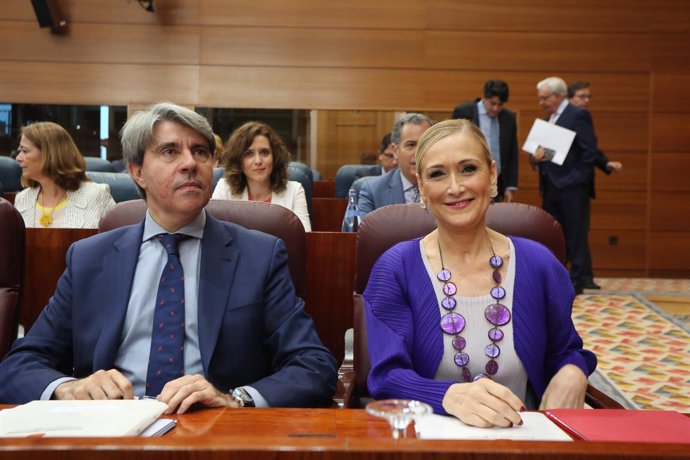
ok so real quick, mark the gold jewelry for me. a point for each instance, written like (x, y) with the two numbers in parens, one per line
(46, 219)
(422, 204)
(494, 191)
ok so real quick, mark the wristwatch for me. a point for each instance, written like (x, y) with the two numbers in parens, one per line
(242, 398)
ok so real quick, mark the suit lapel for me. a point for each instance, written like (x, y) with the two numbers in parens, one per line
(395, 191)
(116, 281)
(218, 264)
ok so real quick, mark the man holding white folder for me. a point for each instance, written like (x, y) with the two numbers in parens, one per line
(565, 188)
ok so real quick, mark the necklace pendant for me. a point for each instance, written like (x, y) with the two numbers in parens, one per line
(466, 375)
(46, 219)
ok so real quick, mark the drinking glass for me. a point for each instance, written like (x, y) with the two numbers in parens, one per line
(398, 413)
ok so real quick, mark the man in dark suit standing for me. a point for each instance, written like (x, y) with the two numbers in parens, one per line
(180, 306)
(387, 160)
(500, 129)
(565, 188)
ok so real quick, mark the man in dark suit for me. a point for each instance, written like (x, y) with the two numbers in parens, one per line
(400, 184)
(244, 338)
(579, 95)
(386, 158)
(565, 188)
(500, 129)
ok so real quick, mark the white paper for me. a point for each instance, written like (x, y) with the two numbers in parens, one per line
(536, 427)
(549, 136)
(80, 418)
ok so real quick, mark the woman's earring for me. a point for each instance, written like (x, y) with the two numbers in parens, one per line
(494, 191)
(422, 204)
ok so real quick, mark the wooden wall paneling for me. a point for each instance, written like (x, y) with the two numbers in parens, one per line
(536, 51)
(669, 253)
(45, 262)
(670, 172)
(168, 12)
(632, 178)
(669, 211)
(671, 15)
(670, 51)
(330, 281)
(101, 43)
(621, 252)
(328, 213)
(670, 132)
(671, 91)
(311, 47)
(324, 189)
(621, 131)
(530, 15)
(624, 210)
(360, 14)
(115, 84)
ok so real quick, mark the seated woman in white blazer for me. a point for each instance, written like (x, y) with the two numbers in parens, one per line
(255, 162)
(58, 194)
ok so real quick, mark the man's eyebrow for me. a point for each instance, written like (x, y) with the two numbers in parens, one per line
(165, 145)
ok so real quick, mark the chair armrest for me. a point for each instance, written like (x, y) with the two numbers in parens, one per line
(597, 399)
(346, 385)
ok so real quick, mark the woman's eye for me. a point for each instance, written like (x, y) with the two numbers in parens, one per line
(435, 174)
(469, 169)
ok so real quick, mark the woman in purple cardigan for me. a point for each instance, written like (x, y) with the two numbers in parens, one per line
(472, 322)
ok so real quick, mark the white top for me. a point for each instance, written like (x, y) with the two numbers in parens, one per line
(511, 373)
(292, 198)
(85, 206)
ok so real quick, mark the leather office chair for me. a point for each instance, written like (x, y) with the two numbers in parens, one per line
(357, 184)
(12, 246)
(265, 217)
(98, 164)
(10, 174)
(344, 178)
(304, 168)
(384, 227)
(122, 186)
(297, 174)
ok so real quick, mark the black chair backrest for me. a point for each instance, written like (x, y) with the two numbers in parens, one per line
(12, 246)
(10, 174)
(297, 174)
(304, 168)
(98, 164)
(344, 178)
(265, 217)
(122, 186)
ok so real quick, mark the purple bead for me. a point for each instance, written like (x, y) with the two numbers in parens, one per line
(444, 275)
(452, 323)
(466, 375)
(448, 303)
(498, 292)
(459, 342)
(461, 359)
(491, 367)
(495, 334)
(492, 350)
(450, 289)
(480, 376)
(497, 276)
(496, 261)
(497, 314)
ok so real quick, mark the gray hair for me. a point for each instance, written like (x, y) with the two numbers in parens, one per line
(137, 133)
(555, 84)
(411, 118)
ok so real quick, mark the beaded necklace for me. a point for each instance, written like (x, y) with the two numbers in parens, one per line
(453, 323)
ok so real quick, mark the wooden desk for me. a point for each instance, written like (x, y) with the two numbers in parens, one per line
(309, 434)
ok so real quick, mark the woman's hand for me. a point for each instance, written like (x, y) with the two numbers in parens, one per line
(483, 403)
(566, 390)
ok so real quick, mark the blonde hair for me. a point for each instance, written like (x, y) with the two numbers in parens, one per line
(61, 160)
(447, 128)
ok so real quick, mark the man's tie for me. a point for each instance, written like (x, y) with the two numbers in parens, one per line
(415, 194)
(166, 360)
(495, 145)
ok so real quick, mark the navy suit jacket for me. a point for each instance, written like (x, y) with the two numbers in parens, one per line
(577, 167)
(381, 191)
(507, 135)
(252, 327)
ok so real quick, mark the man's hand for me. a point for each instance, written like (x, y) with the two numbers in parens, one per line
(508, 196)
(110, 384)
(483, 403)
(566, 390)
(180, 394)
(614, 166)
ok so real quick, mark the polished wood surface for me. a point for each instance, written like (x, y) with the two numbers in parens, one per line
(310, 434)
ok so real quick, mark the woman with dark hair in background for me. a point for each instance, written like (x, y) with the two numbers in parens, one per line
(58, 193)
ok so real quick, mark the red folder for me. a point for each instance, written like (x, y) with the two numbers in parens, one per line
(623, 425)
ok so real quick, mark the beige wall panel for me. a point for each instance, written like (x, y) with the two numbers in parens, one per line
(670, 172)
(311, 47)
(629, 252)
(362, 89)
(669, 211)
(17, 10)
(619, 210)
(621, 131)
(538, 51)
(379, 14)
(168, 12)
(54, 83)
(671, 92)
(670, 51)
(566, 16)
(669, 253)
(670, 132)
(94, 43)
